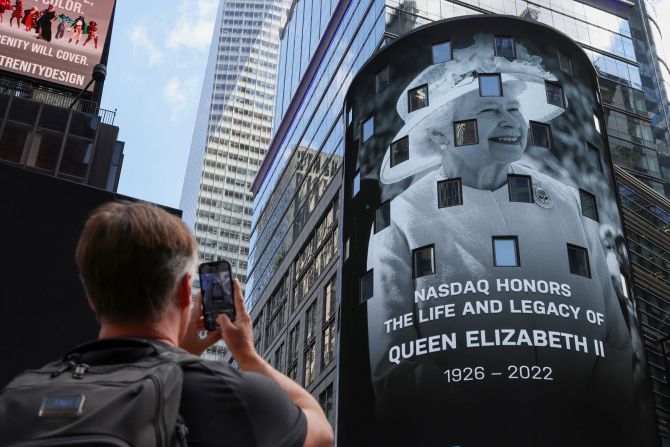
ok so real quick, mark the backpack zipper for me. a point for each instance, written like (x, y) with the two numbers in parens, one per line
(159, 400)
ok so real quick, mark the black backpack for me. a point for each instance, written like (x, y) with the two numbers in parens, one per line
(71, 403)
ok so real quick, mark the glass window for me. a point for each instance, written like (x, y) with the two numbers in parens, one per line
(506, 251)
(465, 132)
(520, 188)
(565, 63)
(383, 217)
(83, 125)
(490, 85)
(279, 358)
(45, 149)
(449, 193)
(382, 79)
(23, 110)
(13, 141)
(596, 123)
(441, 52)
(368, 128)
(399, 151)
(554, 94)
(589, 207)
(328, 351)
(594, 157)
(578, 260)
(366, 286)
(330, 299)
(417, 98)
(423, 261)
(504, 47)
(327, 401)
(310, 364)
(310, 323)
(356, 185)
(76, 157)
(53, 118)
(540, 135)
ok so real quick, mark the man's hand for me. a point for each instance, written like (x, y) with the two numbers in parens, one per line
(191, 341)
(239, 335)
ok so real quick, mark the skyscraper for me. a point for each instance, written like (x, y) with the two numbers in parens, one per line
(292, 271)
(233, 129)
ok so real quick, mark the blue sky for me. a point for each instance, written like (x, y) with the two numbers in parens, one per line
(156, 64)
(155, 70)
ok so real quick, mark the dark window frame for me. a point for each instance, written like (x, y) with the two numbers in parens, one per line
(370, 117)
(554, 84)
(460, 191)
(546, 126)
(476, 133)
(562, 56)
(377, 78)
(530, 187)
(414, 251)
(367, 275)
(495, 47)
(490, 75)
(386, 204)
(592, 147)
(432, 51)
(588, 262)
(409, 98)
(391, 158)
(516, 249)
(595, 204)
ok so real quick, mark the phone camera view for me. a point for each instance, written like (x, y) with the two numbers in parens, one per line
(217, 292)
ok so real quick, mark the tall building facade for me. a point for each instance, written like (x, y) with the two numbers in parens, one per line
(233, 129)
(296, 253)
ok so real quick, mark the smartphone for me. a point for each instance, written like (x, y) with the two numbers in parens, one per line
(216, 283)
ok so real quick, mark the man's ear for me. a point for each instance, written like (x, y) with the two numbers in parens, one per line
(183, 292)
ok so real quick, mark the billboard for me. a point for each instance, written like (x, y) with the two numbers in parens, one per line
(57, 41)
(486, 249)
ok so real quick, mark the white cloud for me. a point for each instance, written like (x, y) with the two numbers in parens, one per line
(195, 26)
(178, 94)
(143, 44)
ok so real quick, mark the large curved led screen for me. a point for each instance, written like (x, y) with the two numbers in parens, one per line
(485, 276)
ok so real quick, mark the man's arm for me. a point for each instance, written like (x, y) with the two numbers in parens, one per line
(239, 338)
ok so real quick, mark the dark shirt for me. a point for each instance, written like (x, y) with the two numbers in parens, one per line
(221, 405)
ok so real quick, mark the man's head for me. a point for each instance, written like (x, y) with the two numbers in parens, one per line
(501, 128)
(132, 258)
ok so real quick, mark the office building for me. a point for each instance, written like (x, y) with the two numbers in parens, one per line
(316, 66)
(233, 129)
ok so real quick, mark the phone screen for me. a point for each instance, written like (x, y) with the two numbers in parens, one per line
(217, 292)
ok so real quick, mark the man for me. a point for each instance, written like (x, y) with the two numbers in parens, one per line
(136, 262)
(479, 140)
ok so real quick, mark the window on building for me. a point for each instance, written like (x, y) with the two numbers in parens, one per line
(417, 98)
(293, 352)
(441, 52)
(423, 261)
(327, 402)
(589, 206)
(399, 151)
(506, 251)
(554, 94)
(490, 85)
(565, 62)
(368, 128)
(76, 157)
(382, 79)
(449, 193)
(310, 365)
(504, 47)
(13, 141)
(356, 184)
(520, 188)
(540, 135)
(279, 358)
(45, 149)
(382, 216)
(465, 132)
(594, 157)
(366, 286)
(578, 261)
(310, 323)
(310, 345)
(329, 307)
